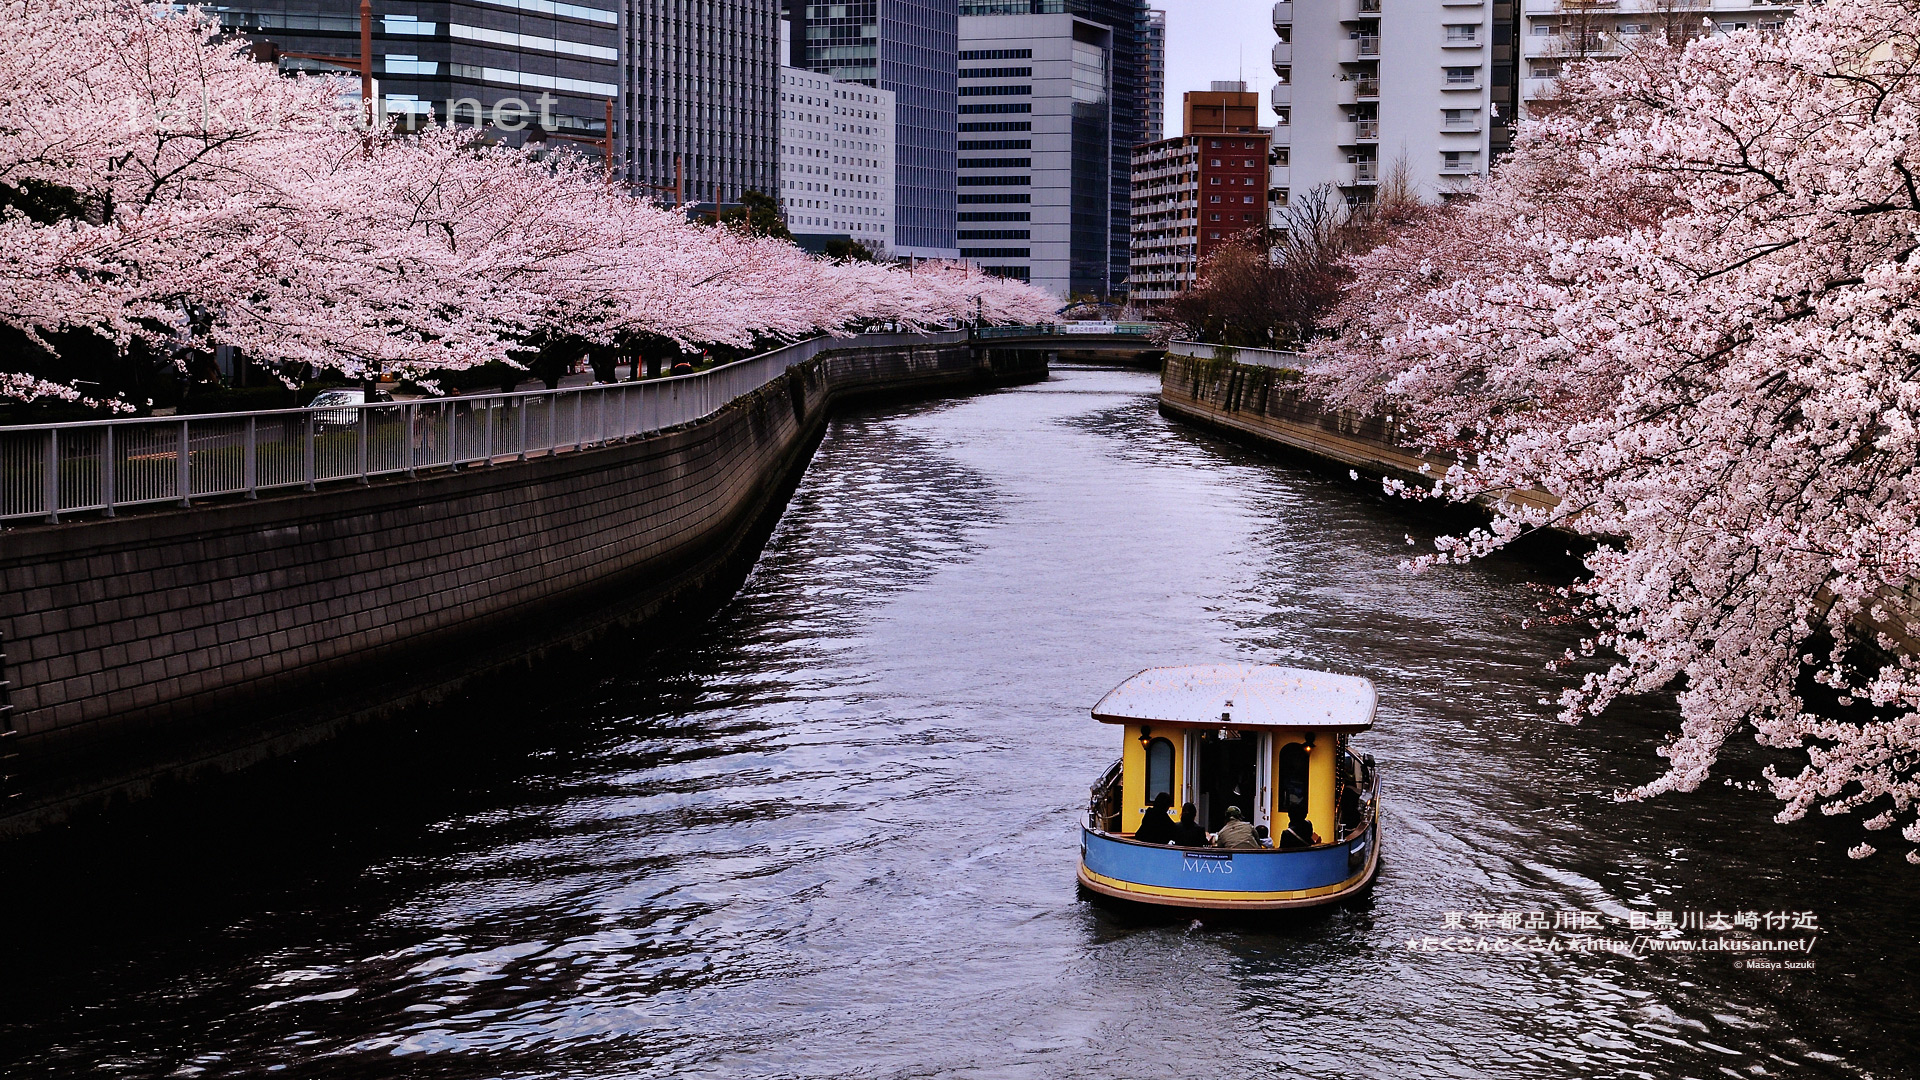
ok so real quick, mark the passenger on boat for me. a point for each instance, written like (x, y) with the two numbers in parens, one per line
(1236, 833)
(1298, 834)
(1189, 832)
(1350, 796)
(1260, 833)
(1155, 826)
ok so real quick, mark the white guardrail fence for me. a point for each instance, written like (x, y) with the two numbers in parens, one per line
(1273, 358)
(48, 470)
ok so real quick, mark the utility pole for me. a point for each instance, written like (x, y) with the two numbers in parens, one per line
(366, 61)
(605, 144)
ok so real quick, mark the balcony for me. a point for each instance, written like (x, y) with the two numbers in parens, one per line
(1281, 95)
(1282, 135)
(1354, 91)
(1360, 131)
(1282, 54)
(1277, 175)
(1360, 174)
(1361, 47)
(1283, 13)
(1354, 10)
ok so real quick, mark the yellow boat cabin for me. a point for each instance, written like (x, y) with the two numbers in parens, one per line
(1237, 787)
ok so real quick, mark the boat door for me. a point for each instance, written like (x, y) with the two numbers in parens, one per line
(1229, 776)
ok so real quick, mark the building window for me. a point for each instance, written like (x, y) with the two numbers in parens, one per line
(1463, 76)
(1458, 160)
(1462, 33)
(1213, 198)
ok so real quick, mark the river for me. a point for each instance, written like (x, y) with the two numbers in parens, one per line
(831, 832)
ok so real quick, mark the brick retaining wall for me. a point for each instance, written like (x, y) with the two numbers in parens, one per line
(155, 646)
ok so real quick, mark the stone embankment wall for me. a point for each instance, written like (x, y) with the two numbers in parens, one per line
(158, 646)
(1261, 403)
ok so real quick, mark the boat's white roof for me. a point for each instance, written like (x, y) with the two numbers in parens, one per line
(1249, 695)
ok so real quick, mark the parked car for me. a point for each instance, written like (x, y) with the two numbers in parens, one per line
(335, 404)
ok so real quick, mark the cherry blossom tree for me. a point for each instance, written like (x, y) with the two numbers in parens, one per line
(1688, 307)
(161, 191)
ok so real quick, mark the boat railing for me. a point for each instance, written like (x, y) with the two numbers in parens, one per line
(1103, 801)
(1104, 816)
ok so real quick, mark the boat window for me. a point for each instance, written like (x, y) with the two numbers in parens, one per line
(1293, 779)
(1159, 768)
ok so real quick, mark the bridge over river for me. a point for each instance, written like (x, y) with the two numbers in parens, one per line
(829, 831)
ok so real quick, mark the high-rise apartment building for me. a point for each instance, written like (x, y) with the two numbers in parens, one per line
(512, 65)
(836, 159)
(701, 96)
(1036, 125)
(907, 48)
(1153, 68)
(1198, 191)
(1411, 95)
(1553, 35)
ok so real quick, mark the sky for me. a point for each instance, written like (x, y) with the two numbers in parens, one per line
(1217, 39)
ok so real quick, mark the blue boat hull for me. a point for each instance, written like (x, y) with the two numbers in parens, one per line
(1228, 879)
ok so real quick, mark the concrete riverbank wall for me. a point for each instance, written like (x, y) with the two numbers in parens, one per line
(151, 648)
(1260, 403)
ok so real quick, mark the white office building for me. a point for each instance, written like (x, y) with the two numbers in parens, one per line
(836, 159)
(1035, 166)
(1364, 94)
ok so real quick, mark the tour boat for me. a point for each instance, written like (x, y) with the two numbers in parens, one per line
(1270, 741)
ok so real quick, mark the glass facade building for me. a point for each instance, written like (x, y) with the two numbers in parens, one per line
(908, 47)
(513, 65)
(1128, 121)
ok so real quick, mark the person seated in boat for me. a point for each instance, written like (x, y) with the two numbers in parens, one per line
(1188, 832)
(1298, 834)
(1155, 826)
(1350, 796)
(1236, 833)
(1260, 833)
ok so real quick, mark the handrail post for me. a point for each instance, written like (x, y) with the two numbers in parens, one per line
(412, 434)
(521, 403)
(362, 434)
(185, 481)
(308, 454)
(50, 483)
(553, 422)
(579, 419)
(107, 478)
(453, 440)
(487, 443)
(250, 461)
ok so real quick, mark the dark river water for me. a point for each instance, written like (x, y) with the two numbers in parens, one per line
(832, 831)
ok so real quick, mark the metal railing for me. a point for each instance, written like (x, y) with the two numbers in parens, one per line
(1114, 329)
(47, 470)
(1273, 358)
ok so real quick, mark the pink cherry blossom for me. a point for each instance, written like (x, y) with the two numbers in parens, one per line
(1688, 307)
(216, 202)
